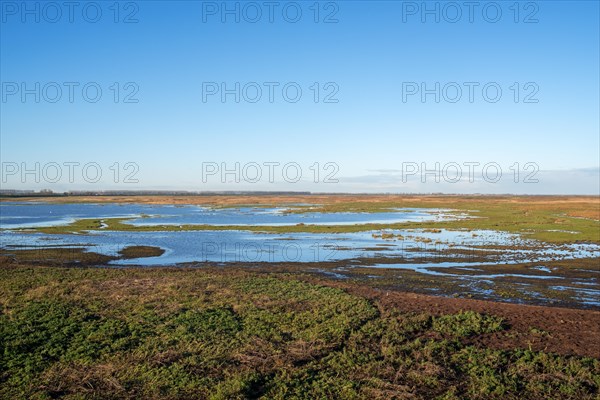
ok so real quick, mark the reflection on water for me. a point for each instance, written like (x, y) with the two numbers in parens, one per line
(431, 252)
(247, 247)
(15, 215)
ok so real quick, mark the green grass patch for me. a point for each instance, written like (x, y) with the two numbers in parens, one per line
(545, 222)
(213, 334)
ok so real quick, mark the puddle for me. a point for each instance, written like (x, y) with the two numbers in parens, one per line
(542, 268)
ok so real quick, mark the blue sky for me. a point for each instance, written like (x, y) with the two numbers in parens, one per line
(370, 56)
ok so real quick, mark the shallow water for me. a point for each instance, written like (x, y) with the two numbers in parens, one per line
(248, 247)
(15, 215)
(412, 249)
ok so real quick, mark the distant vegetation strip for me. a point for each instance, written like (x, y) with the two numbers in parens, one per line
(543, 224)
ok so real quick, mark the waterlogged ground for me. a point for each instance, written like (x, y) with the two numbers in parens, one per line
(415, 249)
(326, 297)
(481, 263)
(27, 215)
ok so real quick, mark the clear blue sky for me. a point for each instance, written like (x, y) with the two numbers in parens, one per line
(372, 49)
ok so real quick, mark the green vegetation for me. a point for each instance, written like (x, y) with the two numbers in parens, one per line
(140, 252)
(539, 219)
(469, 323)
(74, 256)
(221, 334)
(543, 220)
